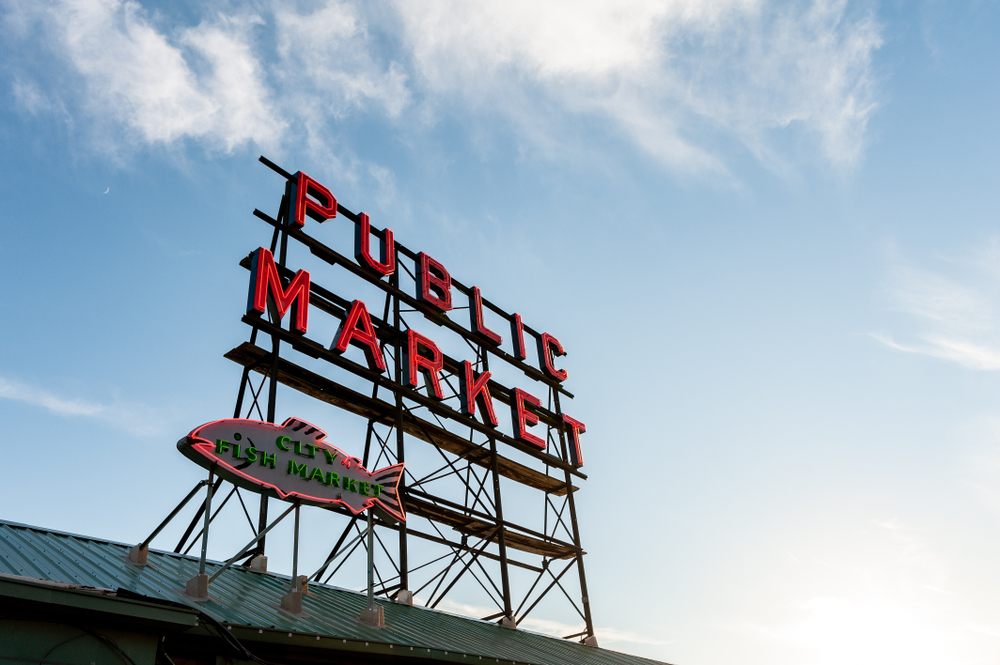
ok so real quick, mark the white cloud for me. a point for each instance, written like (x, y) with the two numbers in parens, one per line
(327, 70)
(681, 79)
(30, 98)
(967, 354)
(326, 59)
(662, 72)
(203, 83)
(133, 418)
(953, 307)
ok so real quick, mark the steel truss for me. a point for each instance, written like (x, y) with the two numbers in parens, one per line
(460, 493)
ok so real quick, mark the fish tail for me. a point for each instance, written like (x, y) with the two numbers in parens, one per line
(388, 499)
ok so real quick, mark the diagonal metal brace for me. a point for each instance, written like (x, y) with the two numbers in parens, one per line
(251, 543)
(334, 555)
(140, 552)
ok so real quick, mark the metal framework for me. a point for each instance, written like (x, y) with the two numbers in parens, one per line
(455, 464)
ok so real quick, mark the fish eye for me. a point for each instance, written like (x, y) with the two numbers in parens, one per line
(237, 436)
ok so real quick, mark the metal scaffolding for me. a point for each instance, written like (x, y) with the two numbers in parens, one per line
(452, 496)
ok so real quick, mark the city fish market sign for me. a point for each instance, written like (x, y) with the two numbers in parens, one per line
(293, 462)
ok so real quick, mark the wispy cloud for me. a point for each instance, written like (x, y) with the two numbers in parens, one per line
(201, 83)
(132, 418)
(326, 57)
(952, 307)
(679, 79)
(672, 76)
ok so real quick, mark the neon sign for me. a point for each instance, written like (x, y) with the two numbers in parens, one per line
(292, 461)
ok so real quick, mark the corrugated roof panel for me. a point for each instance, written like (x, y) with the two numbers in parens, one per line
(242, 597)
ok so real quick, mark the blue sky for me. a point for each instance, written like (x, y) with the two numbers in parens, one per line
(765, 232)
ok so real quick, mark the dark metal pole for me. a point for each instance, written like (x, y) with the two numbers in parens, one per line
(204, 531)
(585, 599)
(253, 542)
(501, 540)
(194, 521)
(295, 552)
(272, 393)
(244, 380)
(371, 561)
(173, 513)
(404, 578)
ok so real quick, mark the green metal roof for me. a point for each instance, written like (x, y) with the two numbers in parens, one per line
(244, 599)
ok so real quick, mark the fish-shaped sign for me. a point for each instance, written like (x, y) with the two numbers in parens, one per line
(292, 461)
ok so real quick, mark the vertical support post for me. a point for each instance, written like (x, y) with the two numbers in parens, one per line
(272, 391)
(243, 387)
(295, 552)
(208, 520)
(371, 562)
(404, 594)
(244, 381)
(371, 421)
(508, 620)
(261, 522)
(372, 615)
(292, 601)
(508, 612)
(197, 586)
(590, 639)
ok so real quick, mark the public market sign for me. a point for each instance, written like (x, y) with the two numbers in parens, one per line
(294, 462)
(423, 361)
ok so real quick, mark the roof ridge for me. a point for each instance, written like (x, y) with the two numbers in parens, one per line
(22, 525)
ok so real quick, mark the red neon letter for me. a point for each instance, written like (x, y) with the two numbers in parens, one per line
(320, 208)
(473, 389)
(549, 346)
(268, 293)
(428, 283)
(523, 418)
(363, 337)
(476, 312)
(362, 238)
(576, 428)
(416, 362)
(517, 329)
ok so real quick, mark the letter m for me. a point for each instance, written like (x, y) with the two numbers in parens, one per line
(268, 293)
(295, 469)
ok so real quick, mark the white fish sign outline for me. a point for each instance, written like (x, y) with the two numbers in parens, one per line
(292, 461)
